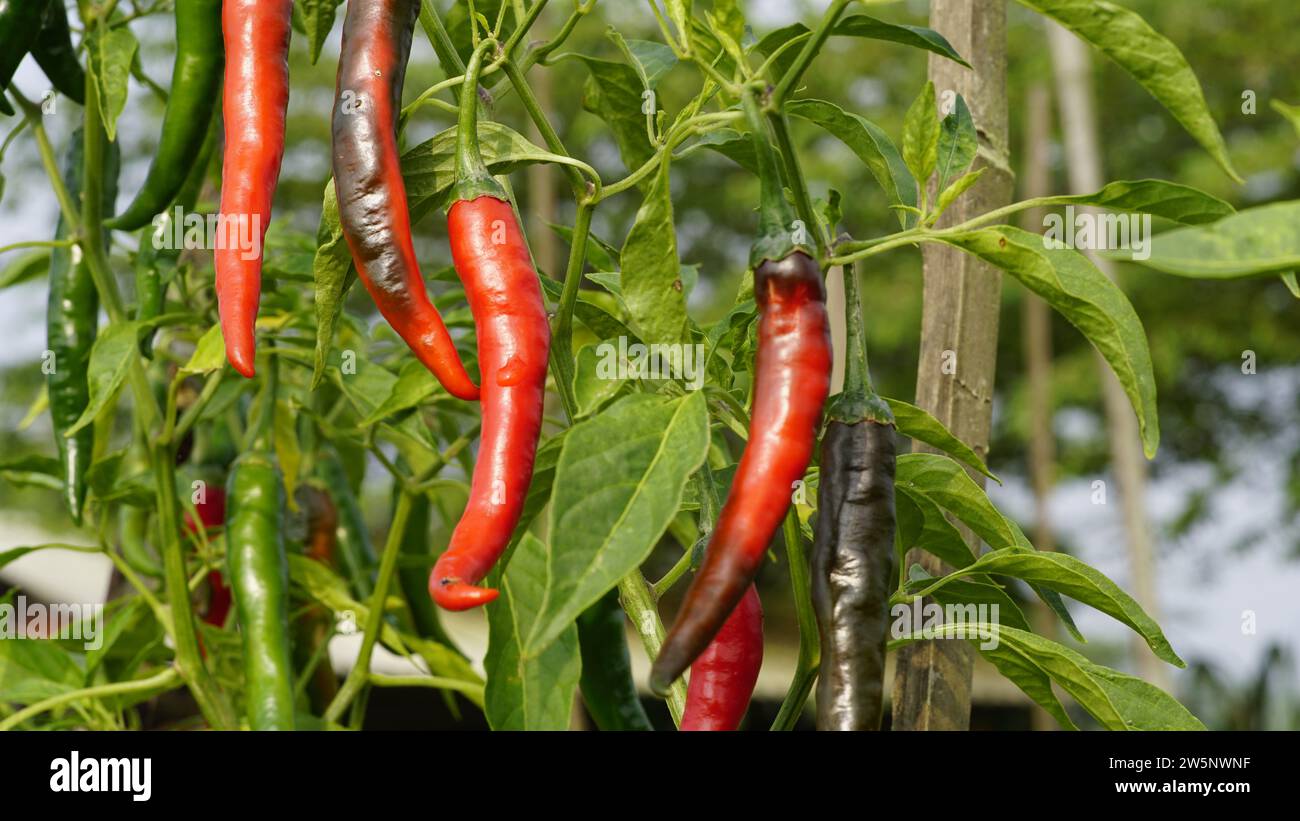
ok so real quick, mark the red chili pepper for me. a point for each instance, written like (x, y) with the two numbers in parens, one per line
(792, 375)
(256, 93)
(368, 183)
(723, 677)
(492, 260)
(212, 514)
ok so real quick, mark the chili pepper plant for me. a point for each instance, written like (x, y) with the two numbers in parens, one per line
(231, 386)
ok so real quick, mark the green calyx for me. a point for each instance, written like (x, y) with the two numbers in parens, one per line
(473, 180)
(777, 228)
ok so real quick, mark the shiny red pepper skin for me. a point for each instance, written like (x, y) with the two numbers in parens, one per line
(723, 677)
(791, 379)
(368, 182)
(493, 262)
(256, 34)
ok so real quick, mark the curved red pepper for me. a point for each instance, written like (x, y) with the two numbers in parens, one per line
(791, 379)
(256, 94)
(492, 259)
(368, 182)
(723, 677)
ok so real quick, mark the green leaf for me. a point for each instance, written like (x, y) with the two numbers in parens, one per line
(921, 524)
(287, 450)
(209, 354)
(1088, 299)
(947, 484)
(977, 590)
(653, 286)
(1150, 57)
(921, 136)
(1031, 662)
(730, 18)
(111, 55)
(528, 691)
(429, 169)
(871, 145)
(917, 424)
(27, 267)
(333, 272)
(679, 11)
(618, 484)
(15, 553)
(1262, 240)
(321, 584)
(1289, 280)
(317, 20)
(593, 386)
(958, 143)
(110, 359)
(950, 194)
(653, 60)
(613, 93)
(858, 26)
(1180, 203)
(32, 471)
(35, 670)
(1081, 582)
(1291, 112)
(414, 385)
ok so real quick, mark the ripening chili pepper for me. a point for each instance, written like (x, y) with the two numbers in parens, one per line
(493, 262)
(791, 379)
(56, 55)
(72, 315)
(608, 688)
(256, 37)
(368, 182)
(19, 22)
(723, 677)
(259, 576)
(853, 551)
(211, 508)
(191, 105)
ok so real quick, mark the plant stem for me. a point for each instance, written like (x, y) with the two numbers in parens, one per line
(808, 52)
(794, 176)
(805, 671)
(562, 364)
(359, 675)
(165, 678)
(211, 702)
(638, 602)
(544, 127)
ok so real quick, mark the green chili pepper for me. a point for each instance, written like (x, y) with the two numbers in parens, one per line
(71, 317)
(259, 575)
(607, 684)
(354, 554)
(196, 76)
(133, 531)
(18, 23)
(56, 55)
(157, 254)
